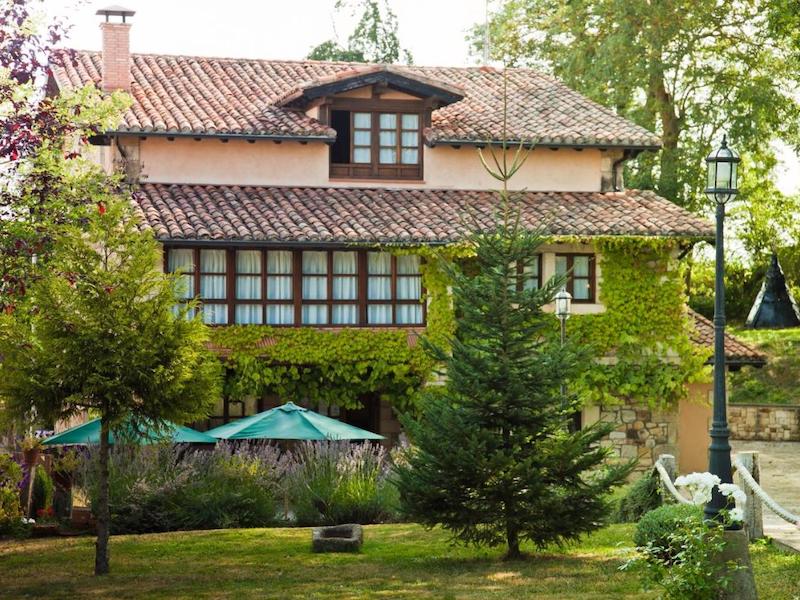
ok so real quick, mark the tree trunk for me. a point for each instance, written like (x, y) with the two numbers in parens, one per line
(512, 539)
(671, 125)
(103, 516)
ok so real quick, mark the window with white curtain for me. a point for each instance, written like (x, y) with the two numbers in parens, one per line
(301, 287)
(580, 272)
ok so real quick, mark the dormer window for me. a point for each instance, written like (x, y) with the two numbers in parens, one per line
(376, 144)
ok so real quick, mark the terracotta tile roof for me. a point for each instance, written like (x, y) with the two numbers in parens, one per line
(736, 351)
(219, 96)
(370, 215)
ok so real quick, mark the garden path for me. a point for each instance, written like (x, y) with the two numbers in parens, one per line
(780, 478)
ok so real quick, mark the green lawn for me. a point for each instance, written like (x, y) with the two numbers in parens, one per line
(775, 383)
(397, 561)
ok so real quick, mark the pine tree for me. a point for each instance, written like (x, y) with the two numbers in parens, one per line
(491, 459)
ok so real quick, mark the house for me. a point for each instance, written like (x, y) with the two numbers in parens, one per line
(305, 202)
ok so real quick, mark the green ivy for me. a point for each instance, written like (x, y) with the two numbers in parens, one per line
(640, 344)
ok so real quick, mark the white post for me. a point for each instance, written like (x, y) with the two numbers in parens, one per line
(753, 512)
(668, 462)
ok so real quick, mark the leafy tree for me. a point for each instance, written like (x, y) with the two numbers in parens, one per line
(104, 338)
(374, 39)
(46, 182)
(690, 70)
(492, 460)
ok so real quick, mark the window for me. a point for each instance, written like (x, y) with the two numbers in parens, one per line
(579, 269)
(376, 144)
(530, 276)
(301, 287)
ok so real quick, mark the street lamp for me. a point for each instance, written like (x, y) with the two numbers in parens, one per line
(563, 301)
(722, 167)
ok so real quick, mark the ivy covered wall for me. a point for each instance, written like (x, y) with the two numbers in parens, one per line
(640, 344)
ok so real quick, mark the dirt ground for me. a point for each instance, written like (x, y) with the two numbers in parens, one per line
(780, 478)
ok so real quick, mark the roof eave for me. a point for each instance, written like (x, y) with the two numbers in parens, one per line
(219, 135)
(545, 143)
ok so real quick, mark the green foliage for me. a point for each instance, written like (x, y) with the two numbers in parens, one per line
(10, 478)
(678, 552)
(776, 382)
(337, 482)
(655, 527)
(688, 70)
(43, 489)
(742, 284)
(104, 335)
(491, 462)
(644, 322)
(642, 497)
(373, 40)
(162, 488)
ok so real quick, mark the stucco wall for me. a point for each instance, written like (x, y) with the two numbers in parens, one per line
(238, 162)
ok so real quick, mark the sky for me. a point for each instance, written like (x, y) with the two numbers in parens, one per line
(433, 30)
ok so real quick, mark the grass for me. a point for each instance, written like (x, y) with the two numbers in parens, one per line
(397, 561)
(775, 383)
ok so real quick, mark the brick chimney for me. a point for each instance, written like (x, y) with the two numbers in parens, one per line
(116, 49)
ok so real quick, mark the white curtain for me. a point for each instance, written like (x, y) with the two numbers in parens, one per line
(379, 263)
(379, 314)
(280, 314)
(279, 261)
(580, 266)
(531, 275)
(315, 314)
(409, 156)
(248, 280)
(215, 314)
(212, 286)
(345, 288)
(249, 314)
(182, 259)
(344, 314)
(388, 156)
(248, 287)
(344, 263)
(212, 261)
(279, 287)
(409, 288)
(409, 314)
(561, 265)
(410, 121)
(379, 288)
(408, 265)
(580, 289)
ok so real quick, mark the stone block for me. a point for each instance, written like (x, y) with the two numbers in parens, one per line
(338, 538)
(617, 435)
(628, 416)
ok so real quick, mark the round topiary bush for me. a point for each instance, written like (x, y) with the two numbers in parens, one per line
(656, 526)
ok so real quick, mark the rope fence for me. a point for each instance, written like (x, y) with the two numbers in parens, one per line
(667, 481)
(763, 496)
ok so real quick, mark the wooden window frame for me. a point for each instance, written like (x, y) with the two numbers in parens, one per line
(297, 301)
(522, 277)
(592, 278)
(375, 169)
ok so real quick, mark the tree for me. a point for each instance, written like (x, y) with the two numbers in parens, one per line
(46, 182)
(374, 39)
(690, 70)
(491, 459)
(105, 337)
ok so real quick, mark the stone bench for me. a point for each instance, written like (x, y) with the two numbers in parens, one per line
(338, 538)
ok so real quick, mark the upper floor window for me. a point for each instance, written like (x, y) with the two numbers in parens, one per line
(376, 144)
(301, 287)
(580, 271)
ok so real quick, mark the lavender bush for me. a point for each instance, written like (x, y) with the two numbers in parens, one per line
(339, 482)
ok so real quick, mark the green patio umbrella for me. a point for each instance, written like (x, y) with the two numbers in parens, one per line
(290, 422)
(89, 434)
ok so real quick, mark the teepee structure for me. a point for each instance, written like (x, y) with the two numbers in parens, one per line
(774, 307)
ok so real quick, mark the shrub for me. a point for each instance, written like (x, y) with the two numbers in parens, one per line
(162, 488)
(678, 551)
(338, 482)
(43, 489)
(655, 528)
(10, 478)
(642, 497)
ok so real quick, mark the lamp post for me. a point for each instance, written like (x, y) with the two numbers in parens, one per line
(563, 301)
(722, 165)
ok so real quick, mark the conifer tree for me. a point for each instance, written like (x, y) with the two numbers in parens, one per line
(492, 460)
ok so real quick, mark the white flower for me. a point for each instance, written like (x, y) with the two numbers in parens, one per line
(731, 489)
(737, 514)
(699, 485)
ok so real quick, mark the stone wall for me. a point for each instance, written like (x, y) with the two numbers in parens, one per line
(764, 422)
(641, 433)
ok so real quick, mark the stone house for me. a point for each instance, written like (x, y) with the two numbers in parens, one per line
(292, 195)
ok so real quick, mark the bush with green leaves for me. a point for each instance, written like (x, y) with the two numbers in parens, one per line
(641, 497)
(338, 482)
(43, 490)
(10, 478)
(678, 552)
(165, 488)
